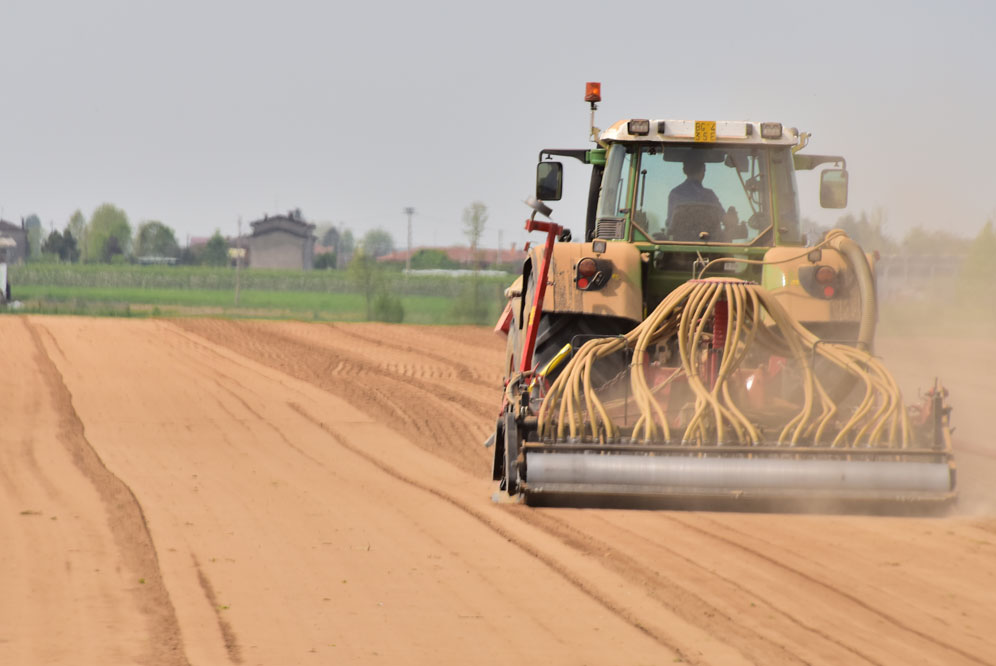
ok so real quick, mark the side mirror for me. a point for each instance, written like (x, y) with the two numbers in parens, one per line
(833, 188)
(549, 181)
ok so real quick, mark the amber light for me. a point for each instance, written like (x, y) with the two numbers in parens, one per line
(587, 267)
(593, 91)
(825, 274)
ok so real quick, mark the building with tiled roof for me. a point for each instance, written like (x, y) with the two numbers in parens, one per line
(282, 241)
(18, 253)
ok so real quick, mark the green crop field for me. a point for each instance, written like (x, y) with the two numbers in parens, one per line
(196, 291)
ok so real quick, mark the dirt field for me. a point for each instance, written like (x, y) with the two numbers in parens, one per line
(211, 492)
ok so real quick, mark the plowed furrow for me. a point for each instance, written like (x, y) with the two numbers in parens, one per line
(409, 345)
(674, 581)
(858, 604)
(126, 514)
(433, 416)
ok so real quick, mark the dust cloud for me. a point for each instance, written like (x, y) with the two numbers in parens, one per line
(954, 343)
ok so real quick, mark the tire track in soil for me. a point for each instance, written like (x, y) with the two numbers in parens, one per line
(459, 369)
(227, 633)
(827, 587)
(125, 514)
(262, 349)
(446, 423)
(294, 357)
(732, 583)
(673, 596)
(511, 537)
(416, 407)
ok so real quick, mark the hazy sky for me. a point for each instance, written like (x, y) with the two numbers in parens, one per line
(197, 113)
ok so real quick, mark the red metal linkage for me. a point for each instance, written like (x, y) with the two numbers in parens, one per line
(553, 231)
(719, 324)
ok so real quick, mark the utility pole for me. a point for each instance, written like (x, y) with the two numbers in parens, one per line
(498, 256)
(409, 211)
(238, 260)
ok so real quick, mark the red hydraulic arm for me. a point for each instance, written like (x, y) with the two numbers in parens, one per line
(553, 231)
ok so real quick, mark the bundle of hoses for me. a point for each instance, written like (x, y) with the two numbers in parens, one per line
(573, 410)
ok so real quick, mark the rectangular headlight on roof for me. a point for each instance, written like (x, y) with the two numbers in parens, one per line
(771, 130)
(638, 127)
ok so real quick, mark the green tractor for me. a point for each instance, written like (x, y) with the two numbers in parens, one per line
(692, 347)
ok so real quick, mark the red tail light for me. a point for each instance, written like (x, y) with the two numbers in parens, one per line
(592, 274)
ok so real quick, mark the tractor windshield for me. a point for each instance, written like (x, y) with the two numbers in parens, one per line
(695, 193)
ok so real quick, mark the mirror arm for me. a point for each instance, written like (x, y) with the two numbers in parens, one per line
(579, 154)
(810, 162)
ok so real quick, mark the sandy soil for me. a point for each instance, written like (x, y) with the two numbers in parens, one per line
(210, 492)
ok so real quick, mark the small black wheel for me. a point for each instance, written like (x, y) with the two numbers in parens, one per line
(498, 466)
(511, 477)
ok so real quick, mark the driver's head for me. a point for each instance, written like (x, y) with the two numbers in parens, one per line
(694, 168)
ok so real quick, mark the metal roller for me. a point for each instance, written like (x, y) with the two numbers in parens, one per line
(732, 474)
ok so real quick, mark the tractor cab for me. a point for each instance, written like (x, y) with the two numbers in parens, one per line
(659, 182)
(687, 192)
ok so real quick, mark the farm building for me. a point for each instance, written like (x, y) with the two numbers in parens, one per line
(16, 254)
(282, 241)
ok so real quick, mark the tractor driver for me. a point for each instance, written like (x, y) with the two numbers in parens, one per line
(692, 191)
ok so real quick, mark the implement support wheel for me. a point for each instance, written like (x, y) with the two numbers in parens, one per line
(511, 478)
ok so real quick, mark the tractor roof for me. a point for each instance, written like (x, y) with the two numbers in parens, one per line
(708, 131)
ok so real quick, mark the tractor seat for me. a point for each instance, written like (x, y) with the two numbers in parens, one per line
(690, 220)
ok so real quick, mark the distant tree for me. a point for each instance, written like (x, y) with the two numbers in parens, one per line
(344, 253)
(978, 273)
(34, 228)
(61, 246)
(155, 239)
(70, 247)
(113, 252)
(430, 258)
(979, 264)
(328, 235)
(388, 307)
(868, 231)
(76, 226)
(475, 216)
(188, 257)
(377, 243)
(76, 223)
(919, 241)
(216, 251)
(52, 245)
(365, 275)
(107, 222)
(325, 261)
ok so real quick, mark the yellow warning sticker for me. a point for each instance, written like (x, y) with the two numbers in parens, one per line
(705, 130)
